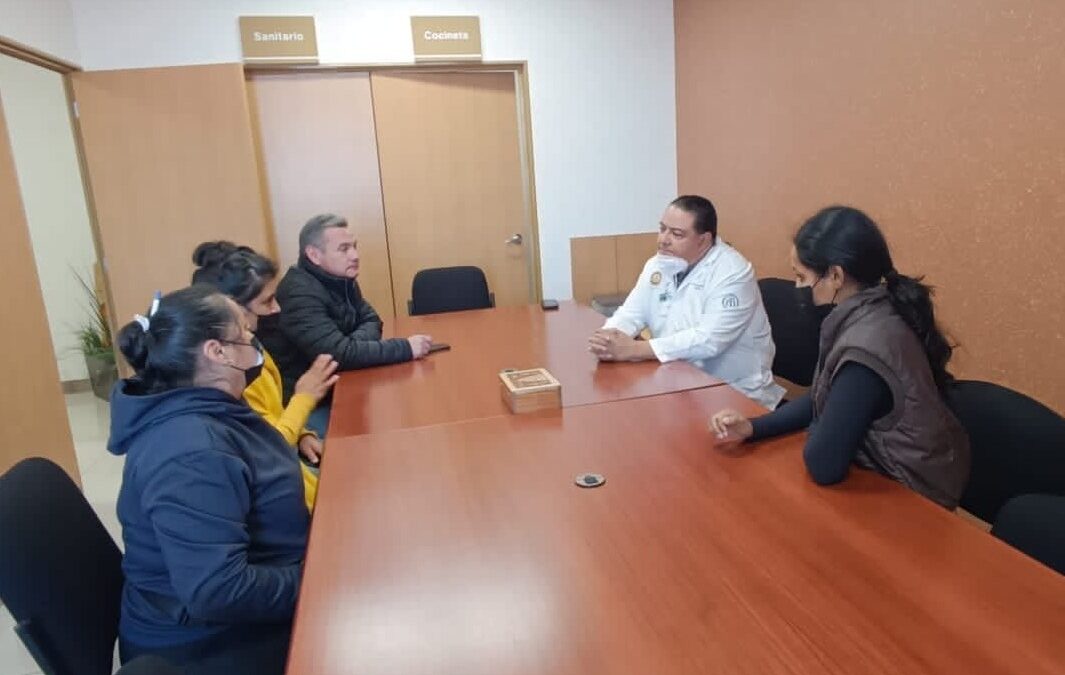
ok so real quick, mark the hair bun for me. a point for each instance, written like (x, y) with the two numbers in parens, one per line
(212, 253)
(133, 343)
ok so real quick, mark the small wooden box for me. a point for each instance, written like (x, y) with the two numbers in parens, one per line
(529, 390)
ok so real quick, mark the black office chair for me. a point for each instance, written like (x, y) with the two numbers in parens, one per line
(60, 571)
(1018, 446)
(449, 289)
(149, 665)
(1035, 524)
(796, 332)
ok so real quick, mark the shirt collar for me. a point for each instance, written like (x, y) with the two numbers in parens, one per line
(682, 275)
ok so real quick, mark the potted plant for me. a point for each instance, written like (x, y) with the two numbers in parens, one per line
(94, 341)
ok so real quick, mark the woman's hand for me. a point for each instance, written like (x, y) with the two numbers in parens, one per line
(310, 446)
(730, 425)
(319, 378)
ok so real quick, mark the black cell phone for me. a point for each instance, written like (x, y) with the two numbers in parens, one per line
(439, 347)
(549, 304)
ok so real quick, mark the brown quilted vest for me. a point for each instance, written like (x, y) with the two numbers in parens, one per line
(919, 443)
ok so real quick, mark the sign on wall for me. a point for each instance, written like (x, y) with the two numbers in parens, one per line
(279, 39)
(446, 38)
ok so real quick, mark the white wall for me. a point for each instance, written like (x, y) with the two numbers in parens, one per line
(42, 143)
(601, 78)
(45, 25)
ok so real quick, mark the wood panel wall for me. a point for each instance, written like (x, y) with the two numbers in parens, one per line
(945, 121)
(608, 265)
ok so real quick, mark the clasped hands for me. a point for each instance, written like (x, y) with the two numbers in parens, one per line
(610, 344)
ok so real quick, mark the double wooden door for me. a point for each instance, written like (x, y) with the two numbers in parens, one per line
(426, 166)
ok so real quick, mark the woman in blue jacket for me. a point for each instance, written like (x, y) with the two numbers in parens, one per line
(211, 503)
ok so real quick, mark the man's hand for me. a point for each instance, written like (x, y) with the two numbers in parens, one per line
(311, 448)
(610, 344)
(419, 345)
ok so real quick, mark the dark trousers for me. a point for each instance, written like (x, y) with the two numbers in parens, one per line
(1035, 524)
(250, 649)
(318, 422)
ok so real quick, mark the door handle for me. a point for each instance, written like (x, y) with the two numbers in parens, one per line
(516, 239)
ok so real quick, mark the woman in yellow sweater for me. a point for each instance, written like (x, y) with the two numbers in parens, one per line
(251, 280)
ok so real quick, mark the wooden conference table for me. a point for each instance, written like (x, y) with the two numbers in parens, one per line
(463, 383)
(466, 548)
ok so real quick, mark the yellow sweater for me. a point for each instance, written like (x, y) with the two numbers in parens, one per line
(264, 397)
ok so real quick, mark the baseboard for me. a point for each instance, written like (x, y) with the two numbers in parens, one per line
(76, 386)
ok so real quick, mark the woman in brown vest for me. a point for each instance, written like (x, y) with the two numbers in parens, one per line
(877, 395)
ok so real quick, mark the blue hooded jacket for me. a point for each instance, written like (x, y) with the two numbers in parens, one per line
(212, 513)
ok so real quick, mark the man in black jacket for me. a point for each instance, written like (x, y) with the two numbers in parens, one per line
(323, 311)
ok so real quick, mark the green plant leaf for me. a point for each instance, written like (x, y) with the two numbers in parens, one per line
(94, 336)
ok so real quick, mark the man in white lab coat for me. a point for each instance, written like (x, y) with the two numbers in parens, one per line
(700, 300)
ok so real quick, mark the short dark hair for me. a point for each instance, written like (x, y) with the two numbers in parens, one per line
(311, 233)
(237, 271)
(703, 210)
(165, 354)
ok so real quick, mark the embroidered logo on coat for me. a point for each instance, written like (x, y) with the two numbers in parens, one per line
(730, 301)
(656, 278)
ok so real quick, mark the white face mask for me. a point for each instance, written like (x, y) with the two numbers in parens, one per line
(670, 265)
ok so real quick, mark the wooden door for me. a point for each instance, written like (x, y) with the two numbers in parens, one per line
(319, 154)
(33, 414)
(170, 163)
(452, 177)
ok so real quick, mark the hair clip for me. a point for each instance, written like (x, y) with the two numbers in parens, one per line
(155, 304)
(143, 321)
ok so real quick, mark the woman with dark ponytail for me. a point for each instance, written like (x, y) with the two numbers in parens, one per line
(250, 280)
(211, 504)
(877, 399)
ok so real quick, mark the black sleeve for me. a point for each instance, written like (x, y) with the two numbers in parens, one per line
(305, 321)
(370, 324)
(791, 416)
(857, 398)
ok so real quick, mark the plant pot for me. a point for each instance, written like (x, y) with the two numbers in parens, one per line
(103, 373)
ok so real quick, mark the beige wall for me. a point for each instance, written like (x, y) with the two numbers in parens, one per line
(53, 197)
(600, 79)
(47, 25)
(944, 120)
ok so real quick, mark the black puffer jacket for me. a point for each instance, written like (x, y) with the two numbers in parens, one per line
(325, 314)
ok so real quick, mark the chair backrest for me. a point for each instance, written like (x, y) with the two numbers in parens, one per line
(1018, 445)
(449, 289)
(60, 571)
(796, 332)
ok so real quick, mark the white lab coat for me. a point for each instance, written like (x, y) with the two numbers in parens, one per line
(715, 320)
